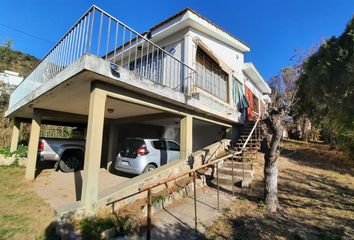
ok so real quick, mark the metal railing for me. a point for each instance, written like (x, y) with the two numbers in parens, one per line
(101, 34)
(214, 163)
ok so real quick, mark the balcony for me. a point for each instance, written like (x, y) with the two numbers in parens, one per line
(100, 34)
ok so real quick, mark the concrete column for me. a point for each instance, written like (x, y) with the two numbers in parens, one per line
(93, 149)
(15, 135)
(186, 137)
(188, 58)
(112, 143)
(33, 145)
(229, 90)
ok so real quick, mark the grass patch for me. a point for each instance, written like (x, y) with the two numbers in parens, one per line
(23, 215)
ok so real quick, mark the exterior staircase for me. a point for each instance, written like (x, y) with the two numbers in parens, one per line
(238, 171)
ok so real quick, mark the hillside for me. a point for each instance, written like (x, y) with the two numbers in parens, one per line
(22, 63)
(316, 196)
(14, 60)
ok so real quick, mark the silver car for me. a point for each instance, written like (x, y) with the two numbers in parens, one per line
(139, 155)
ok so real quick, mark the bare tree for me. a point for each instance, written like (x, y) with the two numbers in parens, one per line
(273, 127)
(272, 131)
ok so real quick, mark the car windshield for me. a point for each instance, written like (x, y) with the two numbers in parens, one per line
(130, 146)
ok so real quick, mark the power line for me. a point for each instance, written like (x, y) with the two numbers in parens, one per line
(25, 33)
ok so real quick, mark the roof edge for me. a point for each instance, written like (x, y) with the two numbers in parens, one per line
(200, 16)
(250, 69)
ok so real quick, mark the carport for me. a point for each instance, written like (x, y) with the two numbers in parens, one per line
(105, 106)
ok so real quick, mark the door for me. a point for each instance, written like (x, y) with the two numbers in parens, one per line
(172, 151)
(162, 156)
(250, 109)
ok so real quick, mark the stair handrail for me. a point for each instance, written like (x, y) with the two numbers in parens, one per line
(241, 152)
(148, 188)
(251, 133)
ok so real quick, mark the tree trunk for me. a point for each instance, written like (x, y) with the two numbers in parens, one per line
(273, 134)
(271, 186)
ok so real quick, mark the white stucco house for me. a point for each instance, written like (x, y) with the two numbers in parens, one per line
(185, 78)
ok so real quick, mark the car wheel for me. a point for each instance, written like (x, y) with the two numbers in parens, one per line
(71, 161)
(149, 168)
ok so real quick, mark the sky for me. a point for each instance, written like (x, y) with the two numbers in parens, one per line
(273, 29)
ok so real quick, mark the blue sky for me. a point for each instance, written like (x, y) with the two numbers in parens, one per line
(273, 28)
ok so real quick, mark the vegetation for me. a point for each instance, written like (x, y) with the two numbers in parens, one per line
(318, 88)
(15, 60)
(23, 214)
(315, 190)
(122, 224)
(326, 89)
(91, 228)
(19, 62)
(6, 151)
(22, 63)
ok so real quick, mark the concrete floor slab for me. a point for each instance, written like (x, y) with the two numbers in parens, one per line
(58, 188)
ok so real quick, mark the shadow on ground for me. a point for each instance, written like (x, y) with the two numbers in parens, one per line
(314, 205)
(318, 156)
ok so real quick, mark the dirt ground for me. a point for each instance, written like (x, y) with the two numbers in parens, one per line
(316, 195)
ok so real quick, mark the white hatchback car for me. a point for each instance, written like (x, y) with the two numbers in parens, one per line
(139, 155)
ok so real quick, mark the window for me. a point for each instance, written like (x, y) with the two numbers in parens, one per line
(130, 146)
(211, 77)
(172, 146)
(159, 145)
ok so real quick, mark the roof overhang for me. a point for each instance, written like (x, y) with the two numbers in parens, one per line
(255, 77)
(189, 18)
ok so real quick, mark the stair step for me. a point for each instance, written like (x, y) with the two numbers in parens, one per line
(254, 144)
(245, 136)
(227, 173)
(247, 148)
(237, 165)
(237, 172)
(246, 153)
(249, 128)
(227, 180)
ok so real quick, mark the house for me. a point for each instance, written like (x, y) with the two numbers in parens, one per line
(10, 78)
(183, 79)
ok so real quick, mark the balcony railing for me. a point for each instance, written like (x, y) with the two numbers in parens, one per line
(100, 34)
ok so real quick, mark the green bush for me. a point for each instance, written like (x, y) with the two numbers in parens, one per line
(21, 151)
(91, 228)
(124, 225)
(5, 151)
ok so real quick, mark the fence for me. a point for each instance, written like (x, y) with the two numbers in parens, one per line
(100, 34)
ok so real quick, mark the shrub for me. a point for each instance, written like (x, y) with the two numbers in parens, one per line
(21, 151)
(124, 225)
(5, 151)
(91, 228)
